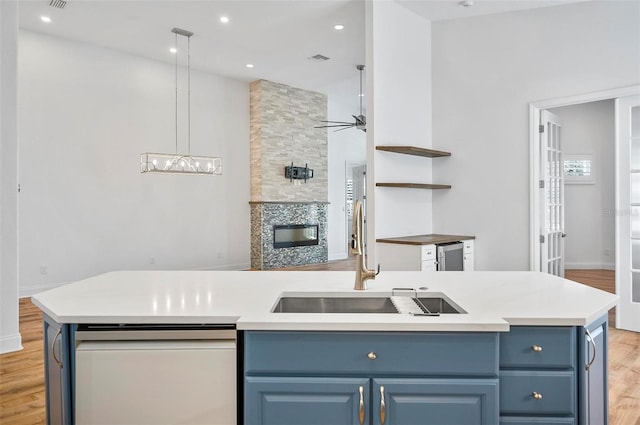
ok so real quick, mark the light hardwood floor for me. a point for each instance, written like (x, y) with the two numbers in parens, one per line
(22, 398)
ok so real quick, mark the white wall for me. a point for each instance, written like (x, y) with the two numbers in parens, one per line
(486, 70)
(589, 128)
(399, 64)
(10, 339)
(86, 115)
(343, 146)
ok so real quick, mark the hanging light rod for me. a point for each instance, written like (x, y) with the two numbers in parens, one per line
(174, 162)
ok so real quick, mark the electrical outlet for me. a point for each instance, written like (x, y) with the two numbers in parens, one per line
(219, 255)
(43, 270)
(606, 252)
(152, 260)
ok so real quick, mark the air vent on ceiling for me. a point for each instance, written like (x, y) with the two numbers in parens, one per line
(58, 4)
(319, 58)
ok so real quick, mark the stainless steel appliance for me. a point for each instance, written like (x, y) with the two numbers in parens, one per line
(450, 256)
(155, 374)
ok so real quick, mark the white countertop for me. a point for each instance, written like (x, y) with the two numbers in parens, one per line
(493, 300)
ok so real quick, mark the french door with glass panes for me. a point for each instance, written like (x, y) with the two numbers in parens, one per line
(552, 195)
(628, 212)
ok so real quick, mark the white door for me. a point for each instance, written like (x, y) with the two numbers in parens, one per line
(552, 196)
(628, 207)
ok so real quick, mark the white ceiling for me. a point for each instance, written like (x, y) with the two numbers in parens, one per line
(440, 10)
(277, 36)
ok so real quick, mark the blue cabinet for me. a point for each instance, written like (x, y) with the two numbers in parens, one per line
(554, 375)
(592, 369)
(398, 401)
(58, 372)
(306, 400)
(394, 378)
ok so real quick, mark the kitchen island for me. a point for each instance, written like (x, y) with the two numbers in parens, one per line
(529, 347)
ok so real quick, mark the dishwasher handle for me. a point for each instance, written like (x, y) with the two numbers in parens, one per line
(155, 335)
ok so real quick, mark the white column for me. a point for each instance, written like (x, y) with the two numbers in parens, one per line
(10, 339)
(399, 72)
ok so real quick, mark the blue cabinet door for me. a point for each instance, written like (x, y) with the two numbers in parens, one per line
(593, 373)
(57, 372)
(306, 401)
(435, 401)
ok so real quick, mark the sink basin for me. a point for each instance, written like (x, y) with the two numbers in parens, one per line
(334, 305)
(435, 304)
(440, 306)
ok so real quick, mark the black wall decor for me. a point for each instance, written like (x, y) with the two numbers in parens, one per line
(298, 173)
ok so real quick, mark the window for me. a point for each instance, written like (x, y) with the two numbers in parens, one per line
(578, 169)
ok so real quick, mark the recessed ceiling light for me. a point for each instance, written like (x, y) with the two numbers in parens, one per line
(173, 50)
(224, 19)
(466, 3)
(338, 27)
(249, 65)
(45, 19)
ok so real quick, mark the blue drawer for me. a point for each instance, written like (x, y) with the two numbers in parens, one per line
(536, 421)
(556, 390)
(397, 353)
(538, 347)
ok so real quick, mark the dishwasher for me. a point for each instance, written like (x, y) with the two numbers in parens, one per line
(155, 374)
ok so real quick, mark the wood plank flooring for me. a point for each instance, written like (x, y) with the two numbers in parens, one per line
(22, 398)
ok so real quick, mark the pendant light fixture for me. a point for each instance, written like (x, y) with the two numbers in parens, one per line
(176, 163)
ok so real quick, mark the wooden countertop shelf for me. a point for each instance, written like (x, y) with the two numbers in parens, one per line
(414, 150)
(425, 239)
(415, 185)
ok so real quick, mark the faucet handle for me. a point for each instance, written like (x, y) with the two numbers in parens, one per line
(378, 272)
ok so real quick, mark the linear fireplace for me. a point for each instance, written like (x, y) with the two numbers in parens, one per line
(290, 235)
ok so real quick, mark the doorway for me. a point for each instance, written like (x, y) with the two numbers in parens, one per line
(622, 221)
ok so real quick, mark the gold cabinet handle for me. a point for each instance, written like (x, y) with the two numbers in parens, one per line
(383, 406)
(536, 348)
(361, 411)
(372, 356)
(536, 395)
(53, 348)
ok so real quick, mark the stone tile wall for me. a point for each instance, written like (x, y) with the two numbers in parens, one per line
(282, 131)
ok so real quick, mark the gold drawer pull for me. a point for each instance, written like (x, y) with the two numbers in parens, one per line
(372, 356)
(536, 348)
(361, 410)
(383, 406)
(537, 396)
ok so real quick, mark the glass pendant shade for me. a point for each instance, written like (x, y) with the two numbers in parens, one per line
(180, 164)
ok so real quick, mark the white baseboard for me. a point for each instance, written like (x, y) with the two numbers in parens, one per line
(338, 256)
(10, 343)
(590, 266)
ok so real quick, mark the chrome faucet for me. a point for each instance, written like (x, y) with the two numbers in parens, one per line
(357, 247)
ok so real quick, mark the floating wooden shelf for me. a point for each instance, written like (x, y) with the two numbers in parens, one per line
(415, 185)
(413, 150)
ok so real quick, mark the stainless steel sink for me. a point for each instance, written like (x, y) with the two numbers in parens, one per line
(439, 305)
(334, 305)
(433, 305)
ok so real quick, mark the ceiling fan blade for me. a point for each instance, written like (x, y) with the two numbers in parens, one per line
(338, 125)
(337, 122)
(345, 128)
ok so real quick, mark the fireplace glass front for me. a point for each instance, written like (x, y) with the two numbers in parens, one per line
(290, 235)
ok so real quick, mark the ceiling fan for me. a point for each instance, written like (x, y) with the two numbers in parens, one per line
(360, 120)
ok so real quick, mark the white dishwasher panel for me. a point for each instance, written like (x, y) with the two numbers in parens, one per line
(156, 382)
